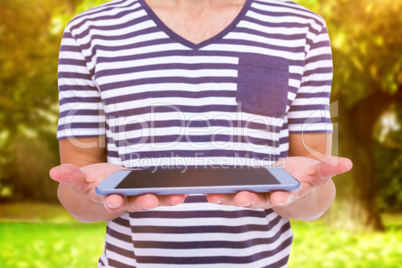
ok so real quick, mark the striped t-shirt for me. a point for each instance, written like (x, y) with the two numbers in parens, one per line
(165, 102)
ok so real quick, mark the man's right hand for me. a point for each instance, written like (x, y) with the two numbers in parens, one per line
(81, 182)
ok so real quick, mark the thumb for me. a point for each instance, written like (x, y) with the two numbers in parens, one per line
(332, 166)
(68, 174)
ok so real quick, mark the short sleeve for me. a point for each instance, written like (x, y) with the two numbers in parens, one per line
(81, 108)
(309, 112)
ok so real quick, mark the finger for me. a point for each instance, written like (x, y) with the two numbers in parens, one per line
(114, 202)
(332, 166)
(221, 199)
(142, 202)
(254, 200)
(67, 173)
(171, 200)
(281, 198)
(249, 199)
(70, 175)
(117, 202)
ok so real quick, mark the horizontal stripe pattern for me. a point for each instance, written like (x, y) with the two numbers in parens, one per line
(163, 102)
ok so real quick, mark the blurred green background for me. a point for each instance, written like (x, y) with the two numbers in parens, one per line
(363, 228)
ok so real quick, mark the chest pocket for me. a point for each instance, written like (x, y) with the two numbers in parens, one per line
(263, 83)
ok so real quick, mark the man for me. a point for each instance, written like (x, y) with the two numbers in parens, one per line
(191, 84)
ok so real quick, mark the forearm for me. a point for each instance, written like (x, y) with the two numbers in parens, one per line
(317, 201)
(83, 208)
(311, 206)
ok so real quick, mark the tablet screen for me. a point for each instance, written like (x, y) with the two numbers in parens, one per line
(197, 178)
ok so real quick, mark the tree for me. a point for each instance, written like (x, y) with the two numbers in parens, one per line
(30, 34)
(388, 155)
(367, 49)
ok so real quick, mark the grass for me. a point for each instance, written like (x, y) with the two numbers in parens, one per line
(316, 245)
(45, 236)
(50, 245)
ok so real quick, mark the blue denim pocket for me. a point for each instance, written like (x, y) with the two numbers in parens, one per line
(263, 84)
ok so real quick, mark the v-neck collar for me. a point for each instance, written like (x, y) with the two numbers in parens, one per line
(174, 36)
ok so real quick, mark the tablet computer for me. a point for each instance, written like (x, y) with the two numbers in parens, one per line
(198, 181)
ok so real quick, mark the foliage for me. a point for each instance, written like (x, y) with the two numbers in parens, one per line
(29, 165)
(367, 44)
(389, 167)
(87, 4)
(28, 70)
(35, 212)
(388, 149)
(28, 79)
(366, 39)
(51, 245)
(30, 34)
